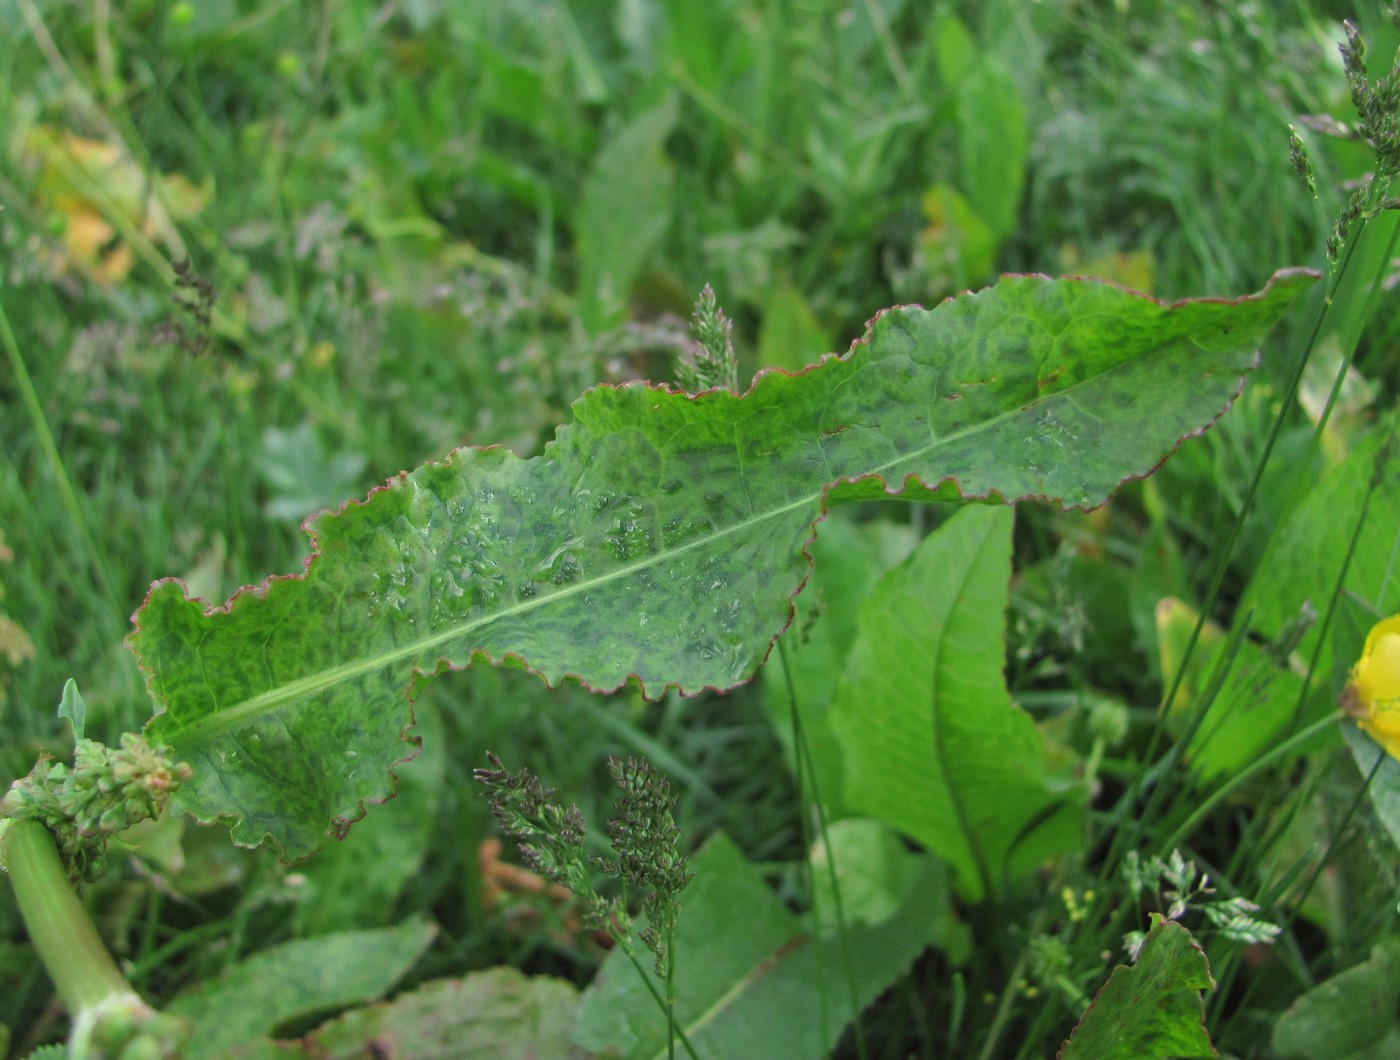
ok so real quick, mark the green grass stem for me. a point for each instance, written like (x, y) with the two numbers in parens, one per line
(806, 770)
(77, 518)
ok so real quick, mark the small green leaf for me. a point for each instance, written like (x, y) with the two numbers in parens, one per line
(1153, 1010)
(302, 475)
(933, 745)
(992, 144)
(623, 214)
(72, 707)
(955, 46)
(790, 331)
(660, 537)
(297, 979)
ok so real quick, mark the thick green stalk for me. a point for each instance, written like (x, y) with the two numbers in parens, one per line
(109, 1017)
(58, 925)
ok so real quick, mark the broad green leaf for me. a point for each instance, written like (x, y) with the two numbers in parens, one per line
(1349, 1015)
(876, 872)
(933, 745)
(297, 979)
(499, 1013)
(1153, 1010)
(847, 559)
(753, 985)
(660, 537)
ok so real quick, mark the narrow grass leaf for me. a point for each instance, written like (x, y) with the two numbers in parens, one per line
(660, 537)
(1303, 560)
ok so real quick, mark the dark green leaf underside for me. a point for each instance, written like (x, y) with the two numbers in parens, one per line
(660, 537)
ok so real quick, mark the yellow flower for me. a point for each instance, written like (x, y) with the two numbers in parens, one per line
(1372, 696)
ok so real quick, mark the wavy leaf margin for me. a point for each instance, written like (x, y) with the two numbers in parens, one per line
(660, 537)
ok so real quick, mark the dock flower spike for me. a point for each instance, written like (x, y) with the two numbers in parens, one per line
(1372, 695)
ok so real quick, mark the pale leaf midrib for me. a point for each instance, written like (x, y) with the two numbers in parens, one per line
(272, 700)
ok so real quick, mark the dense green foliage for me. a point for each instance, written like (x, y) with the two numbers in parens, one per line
(420, 225)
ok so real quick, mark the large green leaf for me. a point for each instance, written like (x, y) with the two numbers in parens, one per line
(660, 536)
(848, 557)
(932, 742)
(356, 882)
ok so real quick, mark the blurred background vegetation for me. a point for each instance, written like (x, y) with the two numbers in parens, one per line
(421, 224)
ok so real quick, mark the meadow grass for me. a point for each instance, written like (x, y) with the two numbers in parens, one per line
(425, 225)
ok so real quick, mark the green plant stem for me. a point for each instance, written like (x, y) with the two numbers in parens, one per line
(1128, 838)
(58, 925)
(626, 944)
(1002, 1016)
(804, 766)
(1296, 906)
(671, 994)
(49, 447)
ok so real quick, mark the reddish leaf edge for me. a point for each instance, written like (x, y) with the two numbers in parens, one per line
(511, 660)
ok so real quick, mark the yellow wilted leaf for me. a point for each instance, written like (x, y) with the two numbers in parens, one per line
(1176, 621)
(1133, 268)
(100, 194)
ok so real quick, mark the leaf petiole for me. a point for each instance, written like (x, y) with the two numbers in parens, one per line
(58, 925)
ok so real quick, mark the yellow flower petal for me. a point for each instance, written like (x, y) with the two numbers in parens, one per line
(1373, 695)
